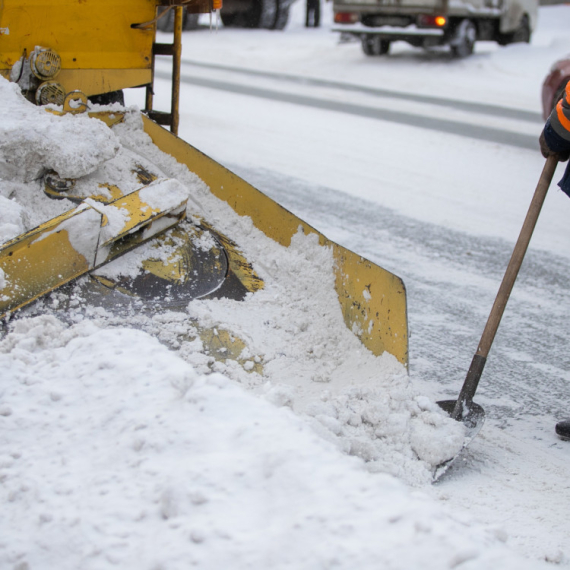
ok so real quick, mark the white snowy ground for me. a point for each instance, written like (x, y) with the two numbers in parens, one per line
(117, 450)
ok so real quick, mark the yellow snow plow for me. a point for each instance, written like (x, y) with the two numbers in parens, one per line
(68, 54)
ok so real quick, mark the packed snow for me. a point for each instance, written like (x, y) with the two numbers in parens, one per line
(26, 127)
(124, 442)
(117, 452)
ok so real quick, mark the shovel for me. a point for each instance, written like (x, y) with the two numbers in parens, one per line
(464, 409)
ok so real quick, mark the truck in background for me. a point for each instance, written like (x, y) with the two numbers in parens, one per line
(430, 23)
(265, 14)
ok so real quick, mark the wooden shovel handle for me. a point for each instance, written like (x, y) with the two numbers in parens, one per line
(478, 362)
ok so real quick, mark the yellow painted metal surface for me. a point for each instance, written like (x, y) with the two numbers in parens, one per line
(95, 81)
(99, 49)
(139, 215)
(176, 271)
(223, 345)
(170, 269)
(110, 118)
(110, 189)
(373, 300)
(45, 258)
(73, 243)
(237, 262)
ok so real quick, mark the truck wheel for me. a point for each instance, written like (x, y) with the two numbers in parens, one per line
(229, 20)
(374, 45)
(522, 33)
(262, 14)
(166, 23)
(191, 22)
(282, 17)
(108, 98)
(463, 42)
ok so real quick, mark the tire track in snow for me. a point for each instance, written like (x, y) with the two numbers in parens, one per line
(474, 131)
(472, 107)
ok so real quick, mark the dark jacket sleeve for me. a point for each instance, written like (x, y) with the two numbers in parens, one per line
(554, 141)
(558, 144)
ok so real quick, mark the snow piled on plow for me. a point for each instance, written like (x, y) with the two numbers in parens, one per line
(32, 140)
(123, 442)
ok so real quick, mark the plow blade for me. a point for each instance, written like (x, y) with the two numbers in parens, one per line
(83, 240)
(373, 300)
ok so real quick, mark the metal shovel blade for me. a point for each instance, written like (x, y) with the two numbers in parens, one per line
(473, 418)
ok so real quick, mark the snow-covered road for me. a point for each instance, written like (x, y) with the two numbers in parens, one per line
(478, 121)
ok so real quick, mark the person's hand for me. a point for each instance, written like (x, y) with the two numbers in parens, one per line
(547, 152)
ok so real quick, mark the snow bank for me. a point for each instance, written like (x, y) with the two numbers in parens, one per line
(117, 453)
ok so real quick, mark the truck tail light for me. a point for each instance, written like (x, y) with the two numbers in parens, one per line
(431, 21)
(345, 18)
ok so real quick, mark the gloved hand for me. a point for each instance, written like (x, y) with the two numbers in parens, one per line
(546, 152)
